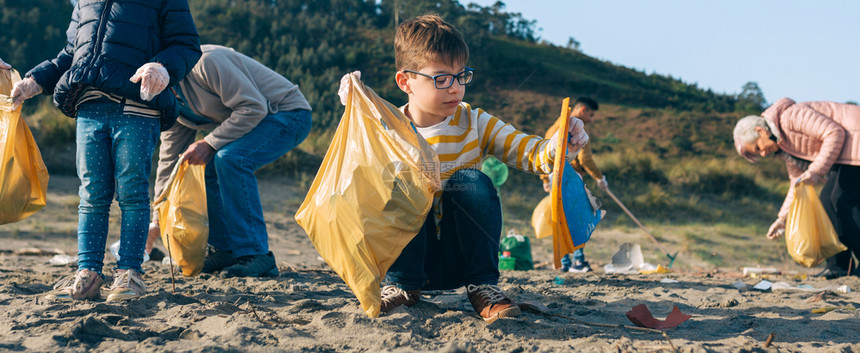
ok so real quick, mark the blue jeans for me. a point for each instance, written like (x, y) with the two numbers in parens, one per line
(578, 255)
(467, 249)
(235, 212)
(114, 155)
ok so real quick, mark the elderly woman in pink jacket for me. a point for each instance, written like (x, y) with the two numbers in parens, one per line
(819, 141)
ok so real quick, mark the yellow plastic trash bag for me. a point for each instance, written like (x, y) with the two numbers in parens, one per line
(23, 176)
(183, 217)
(542, 218)
(372, 193)
(809, 235)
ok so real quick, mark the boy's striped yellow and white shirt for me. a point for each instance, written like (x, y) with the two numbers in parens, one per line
(463, 139)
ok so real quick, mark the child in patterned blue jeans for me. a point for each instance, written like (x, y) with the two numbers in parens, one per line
(111, 76)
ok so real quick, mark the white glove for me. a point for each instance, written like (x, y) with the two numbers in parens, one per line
(24, 90)
(777, 229)
(576, 139)
(343, 90)
(153, 79)
(809, 177)
(4, 65)
(603, 184)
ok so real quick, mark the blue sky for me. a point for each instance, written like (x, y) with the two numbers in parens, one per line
(805, 50)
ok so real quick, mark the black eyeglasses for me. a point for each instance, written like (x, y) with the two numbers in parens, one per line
(443, 81)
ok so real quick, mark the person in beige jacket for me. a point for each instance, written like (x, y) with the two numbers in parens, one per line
(252, 116)
(818, 141)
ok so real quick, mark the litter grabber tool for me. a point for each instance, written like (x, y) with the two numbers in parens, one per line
(663, 249)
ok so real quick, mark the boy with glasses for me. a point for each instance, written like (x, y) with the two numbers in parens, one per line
(459, 242)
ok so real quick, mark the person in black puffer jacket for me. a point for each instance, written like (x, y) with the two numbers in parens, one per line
(111, 77)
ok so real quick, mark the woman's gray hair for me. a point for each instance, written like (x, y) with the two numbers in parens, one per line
(745, 133)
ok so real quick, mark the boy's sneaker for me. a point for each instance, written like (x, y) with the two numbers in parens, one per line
(217, 260)
(580, 267)
(84, 284)
(489, 301)
(253, 266)
(127, 284)
(393, 296)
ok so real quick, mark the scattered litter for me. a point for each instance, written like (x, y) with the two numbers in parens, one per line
(763, 285)
(166, 261)
(38, 252)
(62, 260)
(668, 280)
(642, 317)
(658, 269)
(785, 287)
(629, 260)
(559, 280)
(534, 307)
(760, 271)
(293, 252)
(828, 309)
(739, 285)
(114, 250)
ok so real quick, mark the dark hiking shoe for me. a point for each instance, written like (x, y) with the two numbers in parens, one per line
(393, 296)
(127, 284)
(489, 301)
(84, 284)
(217, 260)
(580, 267)
(156, 255)
(831, 273)
(253, 266)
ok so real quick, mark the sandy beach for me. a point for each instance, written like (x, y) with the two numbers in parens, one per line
(309, 308)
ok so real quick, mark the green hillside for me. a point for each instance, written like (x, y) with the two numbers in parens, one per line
(664, 144)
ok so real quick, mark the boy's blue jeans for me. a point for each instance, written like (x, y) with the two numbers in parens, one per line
(235, 212)
(578, 255)
(467, 251)
(114, 156)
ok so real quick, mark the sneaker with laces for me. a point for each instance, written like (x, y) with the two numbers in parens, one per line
(217, 260)
(580, 267)
(127, 284)
(84, 284)
(253, 266)
(489, 301)
(394, 296)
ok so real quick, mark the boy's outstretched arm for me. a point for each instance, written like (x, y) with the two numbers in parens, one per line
(529, 153)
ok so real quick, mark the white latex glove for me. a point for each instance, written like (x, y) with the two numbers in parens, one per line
(153, 79)
(343, 90)
(24, 90)
(4, 65)
(603, 184)
(777, 229)
(809, 177)
(576, 139)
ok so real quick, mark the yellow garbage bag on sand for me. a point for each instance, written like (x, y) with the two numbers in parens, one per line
(23, 176)
(372, 193)
(809, 235)
(542, 218)
(183, 217)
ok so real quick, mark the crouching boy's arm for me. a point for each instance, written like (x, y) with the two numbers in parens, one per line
(526, 152)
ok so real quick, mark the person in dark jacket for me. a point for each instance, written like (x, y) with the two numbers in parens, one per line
(111, 77)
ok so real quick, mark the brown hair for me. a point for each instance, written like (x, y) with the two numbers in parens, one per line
(428, 38)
